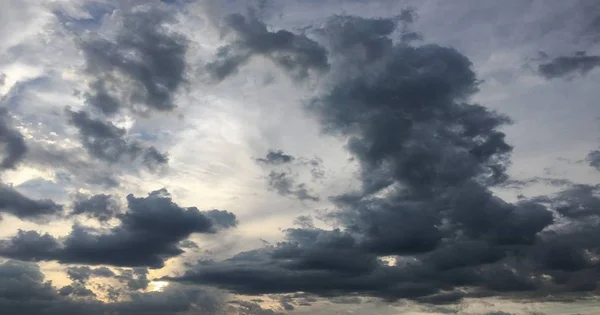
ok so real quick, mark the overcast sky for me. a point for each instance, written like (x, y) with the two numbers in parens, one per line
(299, 157)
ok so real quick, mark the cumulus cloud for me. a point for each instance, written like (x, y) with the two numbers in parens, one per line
(578, 64)
(594, 159)
(105, 141)
(424, 222)
(24, 290)
(295, 53)
(283, 181)
(15, 203)
(12, 142)
(276, 158)
(141, 68)
(427, 158)
(148, 234)
(84, 273)
(102, 207)
(285, 185)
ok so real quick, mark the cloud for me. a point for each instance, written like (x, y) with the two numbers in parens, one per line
(106, 142)
(136, 279)
(283, 181)
(15, 203)
(12, 142)
(141, 68)
(148, 234)
(594, 159)
(276, 158)
(71, 166)
(295, 53)
(76, 289)
(102, 207)
(284, 185)
(428, 157)
(84, 273)
(564, 66)
(25, 291)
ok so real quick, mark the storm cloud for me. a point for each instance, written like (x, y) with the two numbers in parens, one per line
(423, 207)
(102, 207)
(295, 53)
(15, 203)
(276, 158)
(594, 159)
(427, 158)
(148, 234)
(12, 142)
(142, 68)
(578, 64)
(26, 291)
(105, 141)
(285, 185)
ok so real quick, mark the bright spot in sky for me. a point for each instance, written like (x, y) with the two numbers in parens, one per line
(157, 286)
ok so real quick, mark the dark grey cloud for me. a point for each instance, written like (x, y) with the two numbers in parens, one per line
(12, 143)
(22, 283)
(295, 53)
(84, 273)
(580, 63)
(148, 234)
(594, 159)
(24, 290)
(285, 185)
(276, 158)
(107, 142)
(102, 207)
(284, 181)
(15, 203)
(135, 279)
(142, 68)
(428, 157)
(76, 289)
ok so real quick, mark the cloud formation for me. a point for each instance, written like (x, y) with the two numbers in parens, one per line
(295, 53)
(15, 203)
(101, 207)
(148, 235)
(105, 141)
(427, 159)
(578, 64)
(419, 213)
(25, 291)
(12, 142)
(141, 68)
(276, 158)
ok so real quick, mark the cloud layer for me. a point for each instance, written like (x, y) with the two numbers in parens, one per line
(375, 157)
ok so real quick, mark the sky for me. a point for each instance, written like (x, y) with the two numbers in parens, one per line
(299, 157)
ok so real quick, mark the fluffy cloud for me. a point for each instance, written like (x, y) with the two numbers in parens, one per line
(102, 207)
(148, 234)
(105, 141)
(14, 147)
(23, 290)
(141, 68)
(427, 158)
(295, 53)
(15, 203)
(421, 211)
(563, 66)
